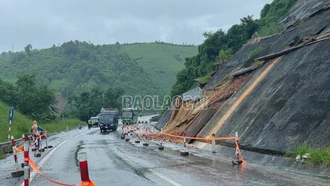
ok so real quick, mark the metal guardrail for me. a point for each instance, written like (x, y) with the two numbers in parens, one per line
(4, 146)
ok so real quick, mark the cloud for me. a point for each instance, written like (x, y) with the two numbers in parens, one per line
(44, 23)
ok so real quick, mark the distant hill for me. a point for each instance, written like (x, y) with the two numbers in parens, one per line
(140, 69)
(160, 61)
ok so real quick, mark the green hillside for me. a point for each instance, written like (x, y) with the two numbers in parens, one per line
(75, 66)
(160, 61)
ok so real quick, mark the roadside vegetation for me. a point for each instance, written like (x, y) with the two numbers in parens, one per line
(22, 124)
(255, 52)
(2, 154)
(38, 102)
(89, 103)
(317, 156)
(221, 42)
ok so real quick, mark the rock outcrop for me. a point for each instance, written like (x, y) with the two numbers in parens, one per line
(284, 99)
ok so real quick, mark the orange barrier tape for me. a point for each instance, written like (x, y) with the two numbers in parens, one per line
(239, 150)
(197, 138)
(35, 141)
(21, 146)
(35, 168)
(189, 137)
(19, 150)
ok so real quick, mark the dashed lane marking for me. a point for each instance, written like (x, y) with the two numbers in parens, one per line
(43, 161)
(165, 178)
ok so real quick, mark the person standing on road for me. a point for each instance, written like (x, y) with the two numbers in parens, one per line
(35, 134)
(89, 123)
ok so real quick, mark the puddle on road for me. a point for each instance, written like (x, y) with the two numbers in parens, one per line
(79, 147)
(92, 132)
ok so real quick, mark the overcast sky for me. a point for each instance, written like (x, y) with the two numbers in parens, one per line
(43, 23)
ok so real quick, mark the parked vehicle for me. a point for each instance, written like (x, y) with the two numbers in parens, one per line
(95, 121)
(108, 120)
(129, 116)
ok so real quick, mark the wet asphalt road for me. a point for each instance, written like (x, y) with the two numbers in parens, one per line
(113, 161)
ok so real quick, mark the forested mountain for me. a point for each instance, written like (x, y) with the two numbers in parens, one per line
(77, 66)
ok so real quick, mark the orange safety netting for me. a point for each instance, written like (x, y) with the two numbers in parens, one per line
(196, 138)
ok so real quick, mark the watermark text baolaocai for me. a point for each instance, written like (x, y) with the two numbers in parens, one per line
(157, 103)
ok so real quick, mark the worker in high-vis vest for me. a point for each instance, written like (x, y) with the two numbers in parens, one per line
(36, 134)
(90, 124)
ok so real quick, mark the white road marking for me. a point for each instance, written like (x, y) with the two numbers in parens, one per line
(42, 162)
(165, 178)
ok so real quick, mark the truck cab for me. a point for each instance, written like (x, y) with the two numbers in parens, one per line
(129, 116)
(108, 120)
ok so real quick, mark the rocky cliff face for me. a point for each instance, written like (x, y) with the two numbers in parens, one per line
(285, 98)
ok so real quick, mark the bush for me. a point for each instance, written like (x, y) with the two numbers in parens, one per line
(255, 52)
(317, 156)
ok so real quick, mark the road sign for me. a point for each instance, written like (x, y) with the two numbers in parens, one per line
(11, 114)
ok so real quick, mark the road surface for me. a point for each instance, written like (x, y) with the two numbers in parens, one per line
(113, 161)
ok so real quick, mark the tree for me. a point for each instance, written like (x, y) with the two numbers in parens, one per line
(112, 97)
(89, 103)
(71, 47)
(8, 92)
(265, 11)
(207, 34)
(28, 49)
(223, 57)
(33, 101)
(250, 26)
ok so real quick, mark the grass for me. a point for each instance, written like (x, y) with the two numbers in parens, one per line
(161, 61)
(2, 154)
(258, 63)
(21, 124)
(204, 79)
(58, 126)
(255, 52)
(317, 156)
(270, 30)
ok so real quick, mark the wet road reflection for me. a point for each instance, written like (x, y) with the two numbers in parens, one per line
(113, 161)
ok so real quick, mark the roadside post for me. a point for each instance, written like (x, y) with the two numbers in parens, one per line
(136, 135)
(136, 126)
(38, 142)
(213, 143)
(122, 132)
(127, 134)
(184, 152)
(238, 160)
(236, 152)
(10, 120)
(83, 164)
(161, 147)
(18, 172)
(26, 161)
(146, 142)
(50, 146)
